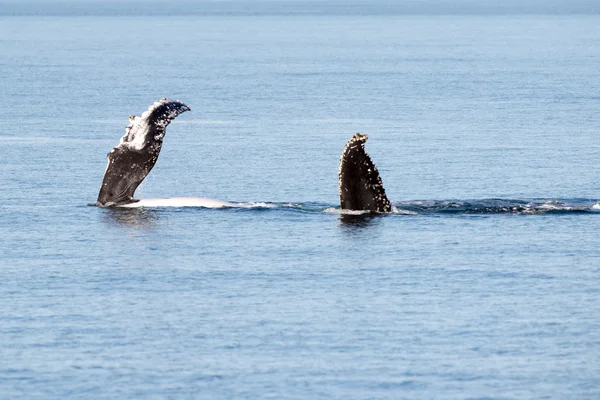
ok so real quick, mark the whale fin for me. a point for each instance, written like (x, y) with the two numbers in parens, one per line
(359, 181)
(135, 155)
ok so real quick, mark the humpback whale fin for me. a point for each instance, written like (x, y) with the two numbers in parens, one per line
(359, 181)
(135, 155)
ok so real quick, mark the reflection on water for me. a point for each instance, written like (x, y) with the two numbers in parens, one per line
(360, 220)
(133, 217)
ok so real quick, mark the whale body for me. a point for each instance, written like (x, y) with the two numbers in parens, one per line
(360, 185)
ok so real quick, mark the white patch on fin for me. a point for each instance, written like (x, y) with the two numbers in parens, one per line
(137, 130)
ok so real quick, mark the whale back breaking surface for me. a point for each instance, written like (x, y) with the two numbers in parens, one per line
(360, 185)
(135, 155)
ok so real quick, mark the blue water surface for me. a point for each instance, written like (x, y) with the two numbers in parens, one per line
(484, 129)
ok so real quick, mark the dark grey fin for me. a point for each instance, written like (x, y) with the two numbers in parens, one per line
(360, 184)
(133, 158)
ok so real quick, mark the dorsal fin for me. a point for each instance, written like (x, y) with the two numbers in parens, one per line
(360, 185)
(135, 155)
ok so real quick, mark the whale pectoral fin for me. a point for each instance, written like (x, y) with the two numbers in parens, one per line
(135, 155)
(360, 185)
(126, 169)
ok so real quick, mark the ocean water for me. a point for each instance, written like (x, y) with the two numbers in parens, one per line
(484, 285)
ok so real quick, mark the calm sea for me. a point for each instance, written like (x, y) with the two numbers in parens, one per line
(485, 285)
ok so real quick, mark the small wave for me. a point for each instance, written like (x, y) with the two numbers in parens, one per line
(498, 206)
(255, 204)
(485, 207)
(417, 207)
(264, 204)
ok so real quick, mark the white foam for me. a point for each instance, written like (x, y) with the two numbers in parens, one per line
(340, 211)
(550, 206)
(255, 204)
(199, 202)
(333, 210)
(402, 212)
(180, 202)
